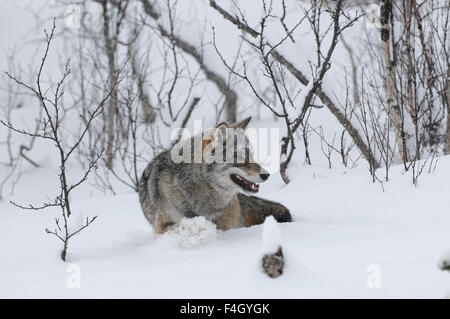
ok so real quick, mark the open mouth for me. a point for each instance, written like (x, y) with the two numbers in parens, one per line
(244, 184)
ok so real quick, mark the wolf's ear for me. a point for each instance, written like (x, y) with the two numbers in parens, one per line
(243, 124)
(210, 137)
(220, 131)
(209, 140)
(222, 125)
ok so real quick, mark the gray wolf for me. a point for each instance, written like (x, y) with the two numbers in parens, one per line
(170, 190)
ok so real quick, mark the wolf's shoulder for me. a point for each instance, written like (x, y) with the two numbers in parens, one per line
(160, 162)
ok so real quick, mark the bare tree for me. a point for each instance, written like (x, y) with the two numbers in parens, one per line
(189, 49)
(395, 111)
(274, 63)
(406, 91)
(447, 98)
(52, 131)
(111, 32)
(17, 152)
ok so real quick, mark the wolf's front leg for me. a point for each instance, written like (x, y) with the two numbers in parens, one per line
(255, 210)
(231, 217)
(163, 223)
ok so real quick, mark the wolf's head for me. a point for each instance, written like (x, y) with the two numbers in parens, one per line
(228, 158)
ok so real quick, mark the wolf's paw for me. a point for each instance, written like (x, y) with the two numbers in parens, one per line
(191, 232)
(273, 264)
(284, 216)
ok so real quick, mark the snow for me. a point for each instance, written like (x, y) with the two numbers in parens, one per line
(345, 229)
(271, 235)
(191, 232)
(343, 223)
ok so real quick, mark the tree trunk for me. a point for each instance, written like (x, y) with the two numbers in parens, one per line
(394, 112)
(230, 95)
(112, 109)
(447, 98)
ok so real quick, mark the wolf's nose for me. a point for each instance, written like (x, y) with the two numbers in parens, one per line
(264, 177)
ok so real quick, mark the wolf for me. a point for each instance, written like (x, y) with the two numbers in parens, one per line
(214, 180)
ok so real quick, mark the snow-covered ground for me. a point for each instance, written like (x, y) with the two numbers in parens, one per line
(348, 239)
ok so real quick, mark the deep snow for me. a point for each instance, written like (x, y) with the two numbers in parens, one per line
(343, 226)
(347, 235)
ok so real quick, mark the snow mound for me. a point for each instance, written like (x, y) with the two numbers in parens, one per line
(191, 232)
(271, 235)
